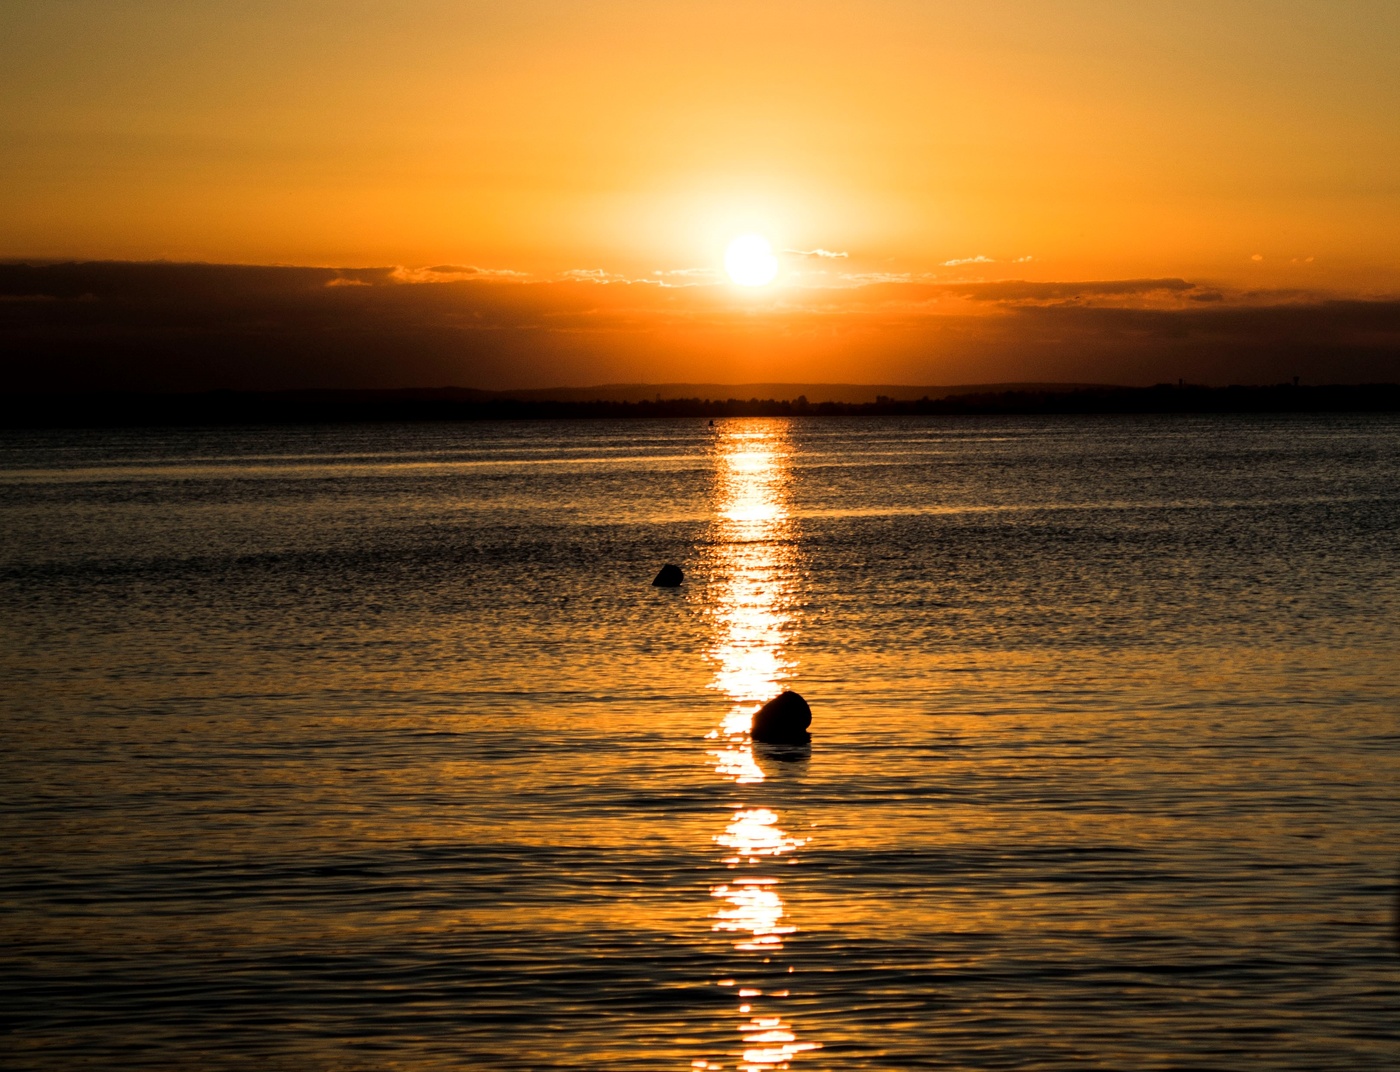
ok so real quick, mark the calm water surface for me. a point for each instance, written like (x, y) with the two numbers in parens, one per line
(373, 748)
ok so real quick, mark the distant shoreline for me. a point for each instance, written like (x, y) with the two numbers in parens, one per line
(128, 409)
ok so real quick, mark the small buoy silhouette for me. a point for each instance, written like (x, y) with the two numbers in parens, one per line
(783, 720)
(669, 577)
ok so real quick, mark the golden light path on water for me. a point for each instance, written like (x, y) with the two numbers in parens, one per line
(753, 565)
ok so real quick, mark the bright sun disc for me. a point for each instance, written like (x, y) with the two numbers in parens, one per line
(750, 261)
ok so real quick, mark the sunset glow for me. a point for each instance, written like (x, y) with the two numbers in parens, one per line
(752, 536)
(750, 261)
(754, 562)
(617, 192)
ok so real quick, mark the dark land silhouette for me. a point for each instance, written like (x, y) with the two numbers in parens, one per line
(126, 409)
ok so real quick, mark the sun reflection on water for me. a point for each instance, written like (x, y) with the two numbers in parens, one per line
(753, 556)
(753, 565)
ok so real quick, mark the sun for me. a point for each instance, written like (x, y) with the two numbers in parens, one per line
(750, 261)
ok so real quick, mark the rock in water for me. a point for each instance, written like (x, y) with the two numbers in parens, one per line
(783, 720)
(669, 577)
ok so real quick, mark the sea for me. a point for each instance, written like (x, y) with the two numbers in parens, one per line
(373, 747)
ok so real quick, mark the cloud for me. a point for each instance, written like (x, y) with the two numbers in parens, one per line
(958, 262)
(687, 277)
(1019, 290)
(446, 273)
(674, 277)
(861, 279)
(671, 277)
(361, 277)
(818, 253)
(178, 327)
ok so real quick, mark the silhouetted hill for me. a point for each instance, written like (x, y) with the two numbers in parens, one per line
(813, 392)
(465, 404)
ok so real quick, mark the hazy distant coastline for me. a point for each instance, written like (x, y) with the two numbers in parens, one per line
(127, 409)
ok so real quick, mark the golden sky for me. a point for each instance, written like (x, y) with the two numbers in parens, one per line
(1100, 139)
(1182, 165)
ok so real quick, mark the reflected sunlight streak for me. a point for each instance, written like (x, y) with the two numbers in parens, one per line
(753, 563)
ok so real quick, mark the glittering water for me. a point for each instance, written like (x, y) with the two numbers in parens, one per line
(374, 748)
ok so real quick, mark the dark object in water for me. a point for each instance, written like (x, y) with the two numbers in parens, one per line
(669, 577)
(783, 720)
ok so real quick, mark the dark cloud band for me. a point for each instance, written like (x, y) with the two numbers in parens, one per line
(201, 326)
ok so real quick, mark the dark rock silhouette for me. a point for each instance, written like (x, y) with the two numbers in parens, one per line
(783, 720)
(669, 577)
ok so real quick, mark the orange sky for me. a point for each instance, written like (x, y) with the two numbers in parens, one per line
(1101, 139)
(1251, 147)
